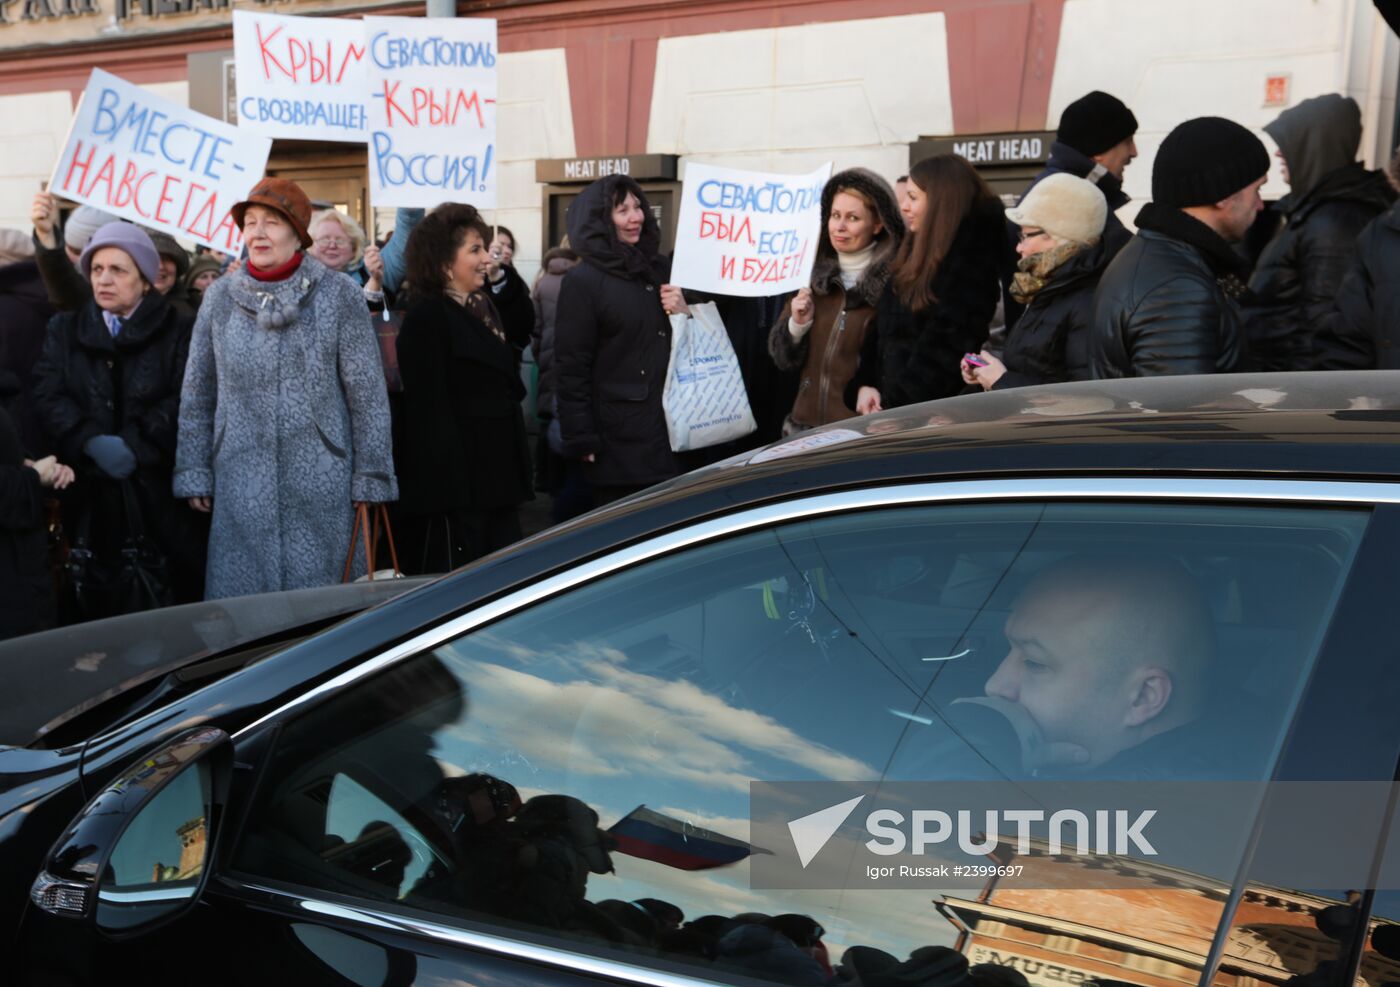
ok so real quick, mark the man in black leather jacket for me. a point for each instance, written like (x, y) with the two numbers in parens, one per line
(1332, 198)
(1164, 306)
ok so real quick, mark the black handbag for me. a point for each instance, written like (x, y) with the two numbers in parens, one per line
(137, 579)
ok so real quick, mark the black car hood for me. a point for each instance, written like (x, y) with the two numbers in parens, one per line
(53, 676)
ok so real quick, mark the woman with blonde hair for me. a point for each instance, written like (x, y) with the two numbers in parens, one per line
(822, 329)
(340, 243)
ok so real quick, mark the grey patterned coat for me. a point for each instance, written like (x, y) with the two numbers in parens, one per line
(284, 421)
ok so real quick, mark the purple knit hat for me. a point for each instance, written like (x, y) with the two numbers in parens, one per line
(127, 237)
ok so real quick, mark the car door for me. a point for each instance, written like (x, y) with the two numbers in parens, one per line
(565, 783)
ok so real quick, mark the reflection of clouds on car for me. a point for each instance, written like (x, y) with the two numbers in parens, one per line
(628, 721)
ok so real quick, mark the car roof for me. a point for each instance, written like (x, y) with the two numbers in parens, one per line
(1341, 424)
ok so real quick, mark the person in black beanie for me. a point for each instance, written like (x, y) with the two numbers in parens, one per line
(1166, 303)
(1095, 141)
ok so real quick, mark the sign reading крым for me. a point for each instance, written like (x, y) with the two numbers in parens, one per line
(746, 232)
(158, 164)
(300, 77)
(432, 110)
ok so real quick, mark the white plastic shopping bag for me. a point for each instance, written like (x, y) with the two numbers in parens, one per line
(704, 397)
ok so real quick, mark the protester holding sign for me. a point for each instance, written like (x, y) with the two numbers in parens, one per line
(944, 289)
(822, 330)
(465, 465)
(57, 259)
(612, 341)
(107, 388)
(284, 420)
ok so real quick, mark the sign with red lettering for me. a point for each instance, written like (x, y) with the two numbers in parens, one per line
(157, 163)
(432, 110)
(300, 77)
(747, 233)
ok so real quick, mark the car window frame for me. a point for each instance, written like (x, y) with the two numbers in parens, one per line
(1318, 494)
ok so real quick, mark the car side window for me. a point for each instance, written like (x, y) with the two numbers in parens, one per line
(578, 773)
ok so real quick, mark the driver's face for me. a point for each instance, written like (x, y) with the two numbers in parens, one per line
(1058, 672)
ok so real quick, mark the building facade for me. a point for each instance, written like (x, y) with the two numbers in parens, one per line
(779, 85)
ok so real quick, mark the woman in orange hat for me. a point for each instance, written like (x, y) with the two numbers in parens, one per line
(284, 418)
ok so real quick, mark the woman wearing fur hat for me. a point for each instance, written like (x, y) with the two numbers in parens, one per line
(1063, 255)
(943, 290)
(823, 328)
(284, 418)
(107, 390)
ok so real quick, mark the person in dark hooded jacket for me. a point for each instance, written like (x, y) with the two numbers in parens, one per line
(943, 292)
(107, 389)
(1331, 199)
(821, 330)
(1063, 253)
(1362, 332)
(612, 342)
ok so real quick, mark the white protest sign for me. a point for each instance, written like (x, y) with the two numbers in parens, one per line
(300, 77)
(747, 233)
(432, 110)
(157, 163)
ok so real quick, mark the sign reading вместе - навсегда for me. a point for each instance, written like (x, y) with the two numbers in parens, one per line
(159, 164)
(300, 77)
(432, 110)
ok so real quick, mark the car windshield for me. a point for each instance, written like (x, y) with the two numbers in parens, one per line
(54, 676)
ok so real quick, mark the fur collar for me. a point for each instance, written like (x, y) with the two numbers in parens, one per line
(826, 273)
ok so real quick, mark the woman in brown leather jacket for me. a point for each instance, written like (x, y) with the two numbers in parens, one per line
(822, 328)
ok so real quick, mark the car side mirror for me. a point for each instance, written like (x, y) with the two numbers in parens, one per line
(138, 855)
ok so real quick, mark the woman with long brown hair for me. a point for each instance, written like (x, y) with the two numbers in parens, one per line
(943, 290)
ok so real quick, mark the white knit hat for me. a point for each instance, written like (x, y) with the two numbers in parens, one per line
(1064, 206)
(82, 223)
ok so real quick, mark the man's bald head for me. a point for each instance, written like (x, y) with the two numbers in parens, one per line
(1107, 651)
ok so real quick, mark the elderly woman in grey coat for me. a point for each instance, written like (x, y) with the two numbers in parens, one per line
(284, 419)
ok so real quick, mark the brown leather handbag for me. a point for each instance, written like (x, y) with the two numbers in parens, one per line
(371, 527)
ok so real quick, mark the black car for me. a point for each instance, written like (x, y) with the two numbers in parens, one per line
(537, 770)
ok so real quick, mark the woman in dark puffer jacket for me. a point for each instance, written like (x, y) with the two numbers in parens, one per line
(1063, 254)
(944, 290)
(822, 329)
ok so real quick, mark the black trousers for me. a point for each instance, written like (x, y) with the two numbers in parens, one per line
(443, 542)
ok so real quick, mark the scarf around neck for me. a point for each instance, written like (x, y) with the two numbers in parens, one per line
(280, 273)
(1230, 269)
(1034, 272)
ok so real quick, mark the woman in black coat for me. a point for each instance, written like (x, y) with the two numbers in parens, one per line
(943, 291)
(612, 341)
(463, 464)
(1063, 254)
(107, 390)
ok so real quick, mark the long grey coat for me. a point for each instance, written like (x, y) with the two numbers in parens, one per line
(283, 427)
